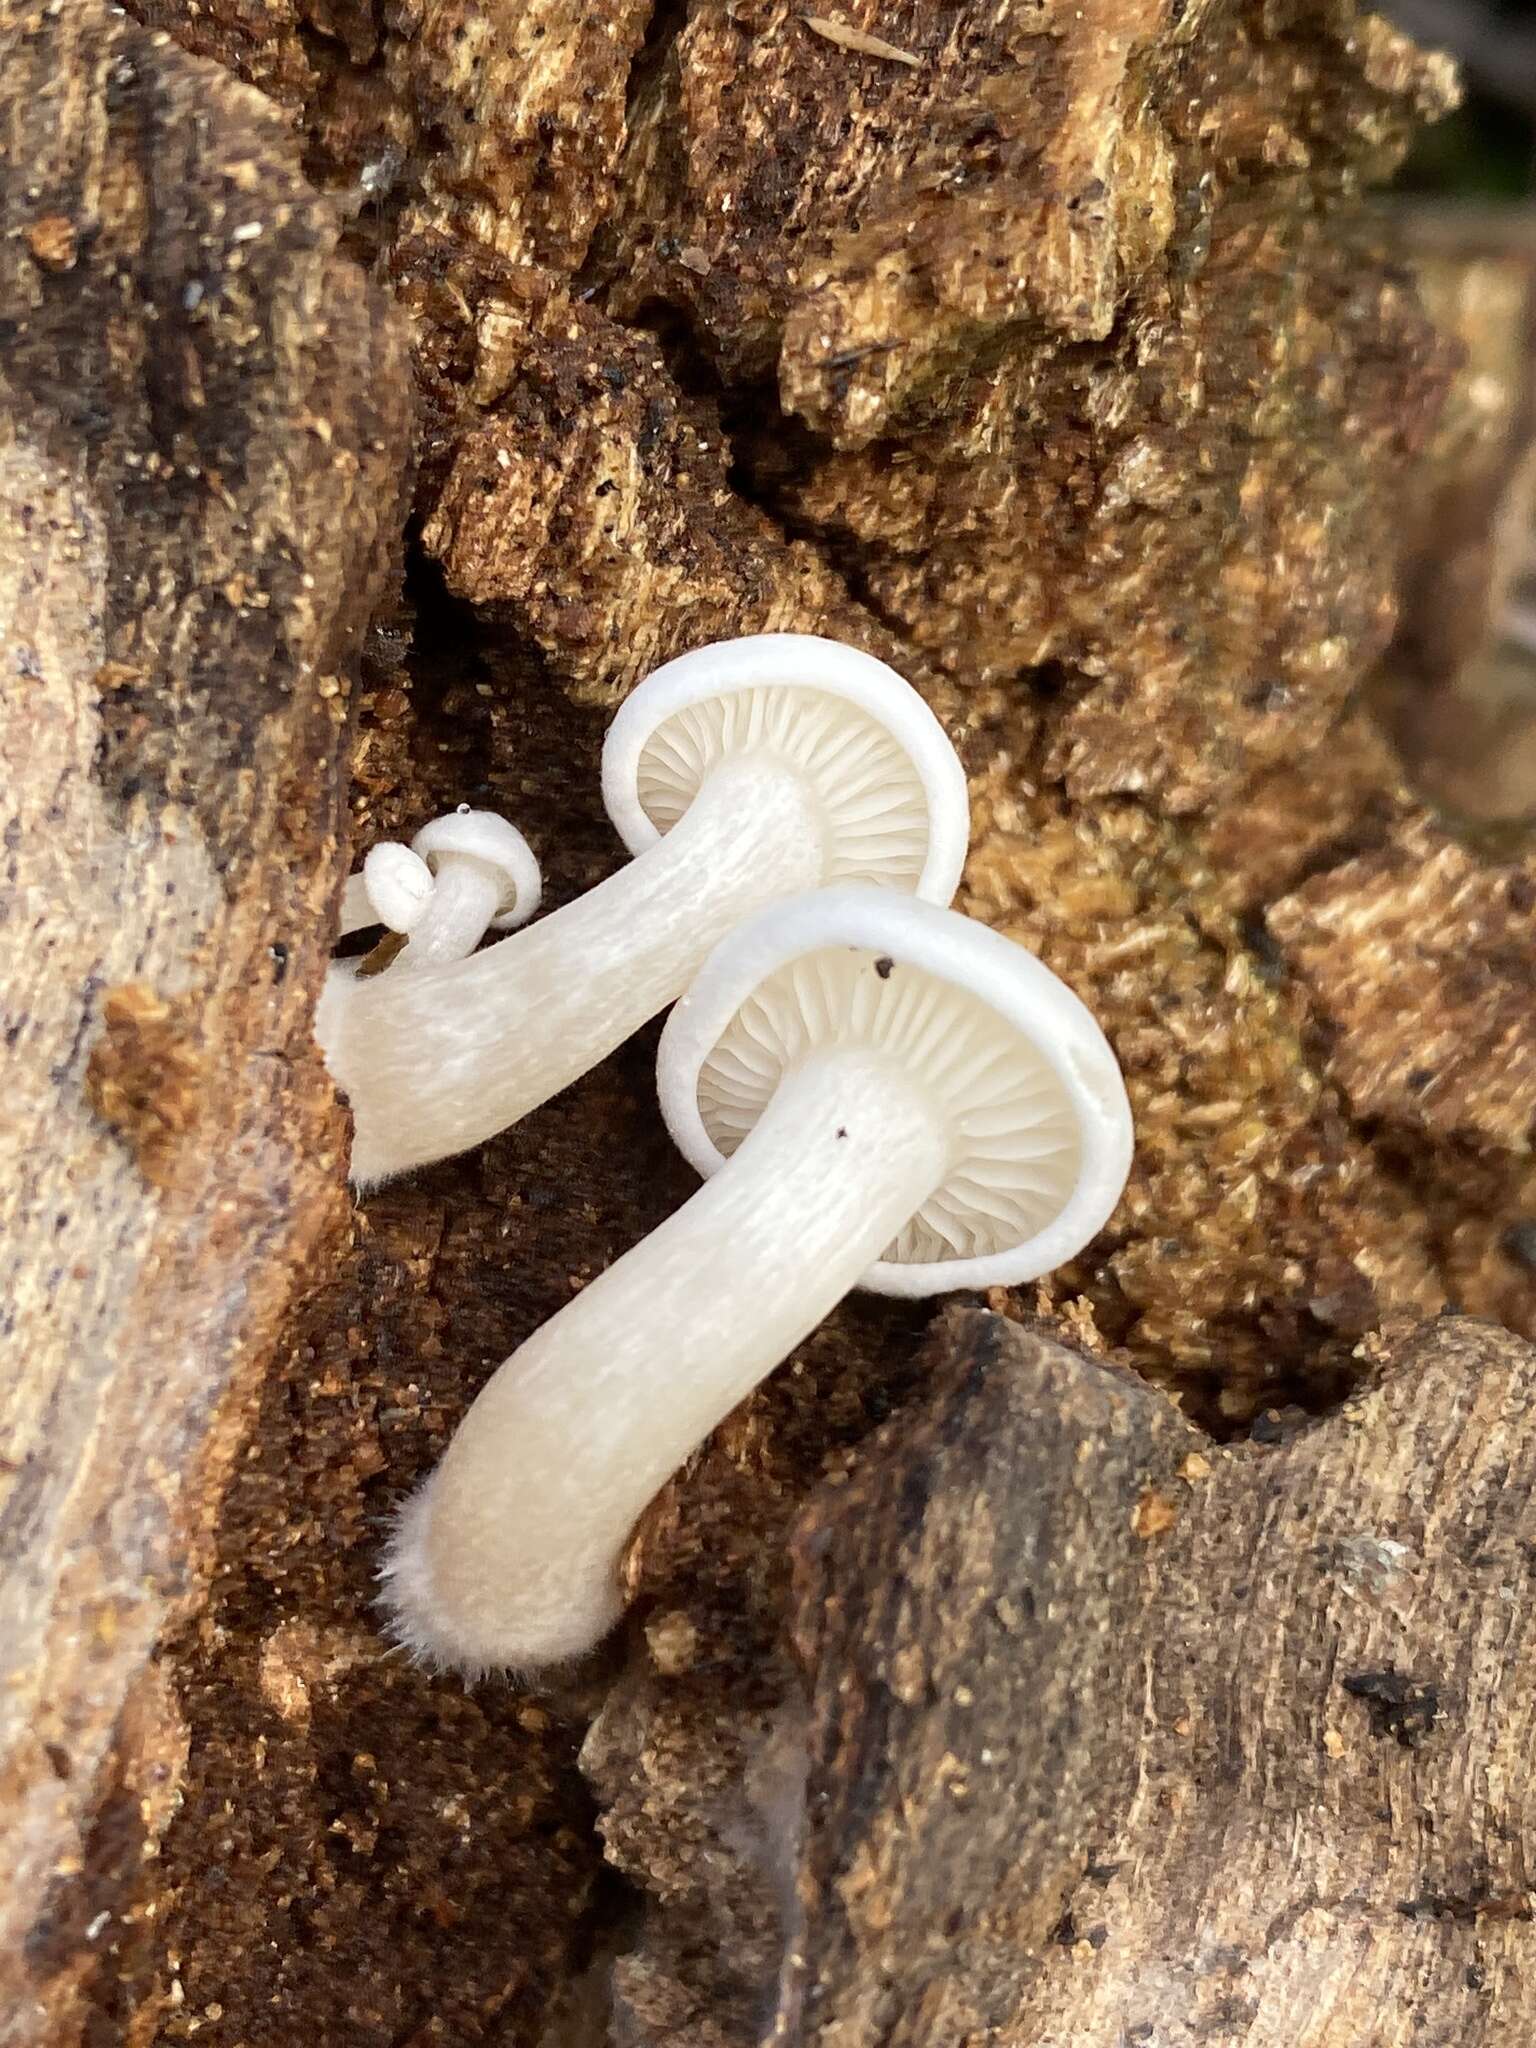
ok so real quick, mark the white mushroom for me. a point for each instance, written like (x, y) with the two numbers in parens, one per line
(884, 1094)
(738, 775)
(461, 876)
(478, 872)
(392, 888)
(485, 877)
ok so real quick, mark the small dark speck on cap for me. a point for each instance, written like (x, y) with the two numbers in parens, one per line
(884, 965)
(842, 1131)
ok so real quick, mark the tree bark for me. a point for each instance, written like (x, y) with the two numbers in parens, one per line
(1457, 691)
(1050, 353)
(1116, 1735)
(206, 436)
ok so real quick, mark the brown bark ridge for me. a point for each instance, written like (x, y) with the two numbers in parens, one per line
(1117, 1736)
(1458, 690)
(204, 431)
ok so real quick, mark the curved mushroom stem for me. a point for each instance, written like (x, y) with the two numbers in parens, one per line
(465, 898)
(508, 1556)
(440, 1060)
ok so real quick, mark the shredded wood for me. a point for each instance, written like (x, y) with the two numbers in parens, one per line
(859, 39)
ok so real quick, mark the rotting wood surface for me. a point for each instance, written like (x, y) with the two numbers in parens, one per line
(204, 447)
(1119, 1736)
(1059, 366)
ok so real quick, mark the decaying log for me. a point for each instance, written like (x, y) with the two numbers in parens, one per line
(1055, 359)
(1103, 1732)
(1116, 1736)
(204, 437)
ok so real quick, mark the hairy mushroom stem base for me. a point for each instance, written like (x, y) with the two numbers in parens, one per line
(508, 1557)
(444, 1058)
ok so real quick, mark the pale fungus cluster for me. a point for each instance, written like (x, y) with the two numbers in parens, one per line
(877, 1091)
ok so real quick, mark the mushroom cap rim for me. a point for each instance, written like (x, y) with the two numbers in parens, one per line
(803, 661)
(1021, 989)
(487, 836)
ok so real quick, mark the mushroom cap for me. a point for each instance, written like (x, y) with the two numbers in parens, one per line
(892, 788)
(485, 836)
(1041, 1123)
(398, 885)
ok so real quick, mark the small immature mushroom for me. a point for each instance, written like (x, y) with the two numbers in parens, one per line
(462, 875)
(737, 775)
(883, 1094)
(392, 888)
(485, 877)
